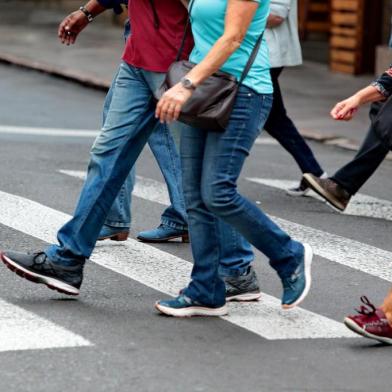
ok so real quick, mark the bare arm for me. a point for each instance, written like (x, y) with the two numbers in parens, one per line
(346, 109)
(185, 3)
(274, 21)
(239, 15)
(75, 22)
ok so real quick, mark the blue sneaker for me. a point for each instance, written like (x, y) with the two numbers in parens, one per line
(296, 286)
(113, 233)
(182, 306)
(163, 233)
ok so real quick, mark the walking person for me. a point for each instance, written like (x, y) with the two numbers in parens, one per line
(157, 29)
(237, 255)
(162, 142)
(226, 33)
(346, 182)
(285, 51)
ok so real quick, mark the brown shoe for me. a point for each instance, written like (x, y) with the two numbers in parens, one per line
(328, 190)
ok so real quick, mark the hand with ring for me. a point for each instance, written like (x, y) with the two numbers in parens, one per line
(170, 105)
(71, 26)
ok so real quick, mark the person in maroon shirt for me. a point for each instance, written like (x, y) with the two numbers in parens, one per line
(157, 30)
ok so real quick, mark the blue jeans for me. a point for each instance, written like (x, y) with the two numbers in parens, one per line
(128, 125)
(163, 145)
(211, 164)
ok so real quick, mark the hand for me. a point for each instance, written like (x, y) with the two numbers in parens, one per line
(345, 110)
(170, 105)
(71, 26)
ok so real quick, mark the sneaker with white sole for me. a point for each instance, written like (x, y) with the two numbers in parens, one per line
(296, 285)
(242, 288)
(38, 268)
(303, 188)
(183, 306)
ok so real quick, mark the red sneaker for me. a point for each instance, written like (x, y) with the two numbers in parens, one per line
(370, 322)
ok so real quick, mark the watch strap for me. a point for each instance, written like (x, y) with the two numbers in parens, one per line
(86, 12)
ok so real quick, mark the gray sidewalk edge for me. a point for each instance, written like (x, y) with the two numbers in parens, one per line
(94, 82)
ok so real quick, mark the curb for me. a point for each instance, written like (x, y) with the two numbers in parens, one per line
(62, 73)
(89, 81)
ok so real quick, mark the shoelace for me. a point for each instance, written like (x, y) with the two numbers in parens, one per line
(36, 259)
(367, 309)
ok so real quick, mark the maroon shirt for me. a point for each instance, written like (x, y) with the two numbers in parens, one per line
(154, 46)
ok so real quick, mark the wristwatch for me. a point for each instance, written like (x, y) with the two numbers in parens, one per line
(188, 84)
(88, 14)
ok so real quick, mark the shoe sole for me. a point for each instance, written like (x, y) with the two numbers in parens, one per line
(116, 237)
(297, 193)
(351, 325)
(192, 311)
(51, 283)
(246, 297)
(326, 196)
(184, 239)
(308, 258)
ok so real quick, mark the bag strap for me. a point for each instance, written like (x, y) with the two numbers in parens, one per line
(252, 57)
(186, 28)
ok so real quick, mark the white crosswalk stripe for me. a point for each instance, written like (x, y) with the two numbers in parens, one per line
(167, 273)
(23, 330)
(56, 132)
(339, 249)
(360, 204)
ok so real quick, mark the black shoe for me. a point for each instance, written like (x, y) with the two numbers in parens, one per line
(243, 287)
(38, 268)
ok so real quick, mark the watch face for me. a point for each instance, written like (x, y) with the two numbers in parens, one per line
(187, 83)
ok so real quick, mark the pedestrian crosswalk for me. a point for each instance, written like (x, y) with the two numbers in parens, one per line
(168, 273)
(23, 330)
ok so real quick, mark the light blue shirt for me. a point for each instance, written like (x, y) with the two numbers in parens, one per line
(208, 24)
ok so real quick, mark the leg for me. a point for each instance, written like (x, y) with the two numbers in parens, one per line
(223, 157)
(164, 149)
(387, 307)
(120, 214)
(127, 128)
(352, 176)
(282, 128)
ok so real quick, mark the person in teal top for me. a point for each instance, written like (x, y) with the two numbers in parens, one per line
(225, 32)
(208, 24)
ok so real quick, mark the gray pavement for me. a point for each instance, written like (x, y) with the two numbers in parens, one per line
(310, 90)
(133, 348)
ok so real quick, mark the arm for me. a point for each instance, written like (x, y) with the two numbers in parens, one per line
(239, 16)
(75, 22)
(377, 91)
(185, 3)
(279, 12)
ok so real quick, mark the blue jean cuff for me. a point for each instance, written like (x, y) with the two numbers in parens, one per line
(174, 225)
(50, 253)
(232, 271)
(124, 225)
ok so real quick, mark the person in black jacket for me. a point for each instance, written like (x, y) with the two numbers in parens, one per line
(338, 189)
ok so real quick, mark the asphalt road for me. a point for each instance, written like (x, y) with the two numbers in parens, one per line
(131, 348)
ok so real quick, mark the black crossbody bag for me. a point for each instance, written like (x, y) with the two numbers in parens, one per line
(212, 102)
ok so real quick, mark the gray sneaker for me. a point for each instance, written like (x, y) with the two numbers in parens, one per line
(243, 288)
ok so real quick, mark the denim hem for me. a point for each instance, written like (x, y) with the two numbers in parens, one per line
(186, 293)
(232, 272)
(56, 260)
(174, 225)
(117, 224)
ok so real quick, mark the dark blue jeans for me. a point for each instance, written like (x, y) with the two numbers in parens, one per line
(281, 127)
(211, 164)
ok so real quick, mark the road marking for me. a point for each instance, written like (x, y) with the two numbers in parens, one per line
(266, 141)
(168, 274)
(360, 204)
(351, 253)
(23, 330)
(38, 131)
(145, 188)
